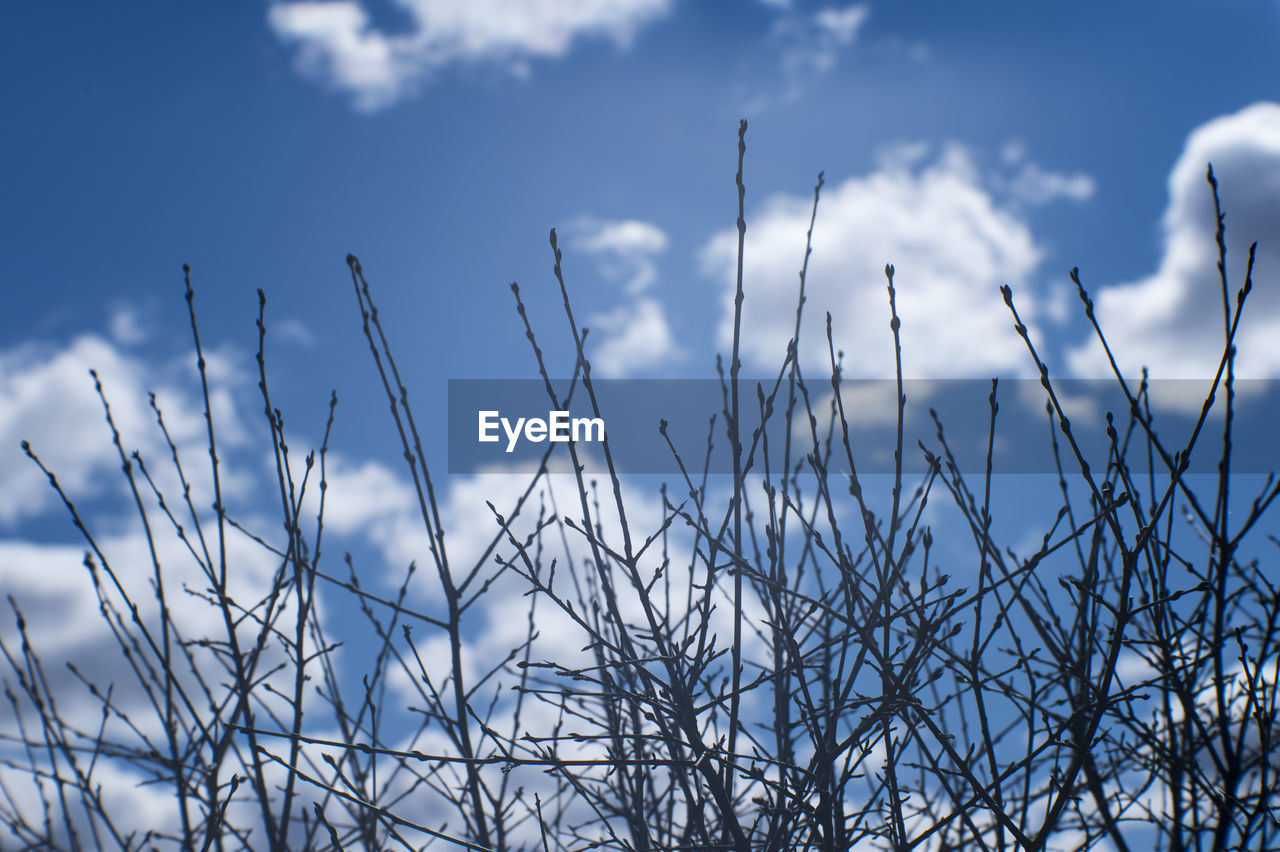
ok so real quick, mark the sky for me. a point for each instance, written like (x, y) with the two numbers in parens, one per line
(970, 145)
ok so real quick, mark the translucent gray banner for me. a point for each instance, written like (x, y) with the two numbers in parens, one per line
(509, 425)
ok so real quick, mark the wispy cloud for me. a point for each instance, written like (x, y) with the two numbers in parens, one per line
(295, 331)
(625, 250)
(127, 327)
(636, 334)
(809, 44)
(841, 25)
(339, 45)
(1031, 184)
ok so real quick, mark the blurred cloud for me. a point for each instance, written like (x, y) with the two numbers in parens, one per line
(624, 250)
(635, 335)
(127, 327)
(339, 45)
(1036, 186)
(1172, 319)
(809, 44)
(294, 331)
(841, 24)
(953, 236)
(47, 396)
(67, 625)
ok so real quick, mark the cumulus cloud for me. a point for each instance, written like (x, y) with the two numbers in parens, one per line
(47, 396)
(952, 241)
(1172, 319)
(66, 626)
(339, 45)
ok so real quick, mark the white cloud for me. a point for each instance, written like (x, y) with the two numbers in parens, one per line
(1036, 186)
(637, 336)
(1172, 320)
(1029, 183)
(127, 328)
(842, 24)
(47, 396)
(1013, 152)
(294, 331)
(64, 625)
(952, 243)
(810, 44)
(624, 250)
(902, 156)
(338, 44)
(628, 235)
(502, 622)
(53, 587)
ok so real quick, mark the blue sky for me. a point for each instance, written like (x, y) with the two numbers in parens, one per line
(970, 144)
(233, 141)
